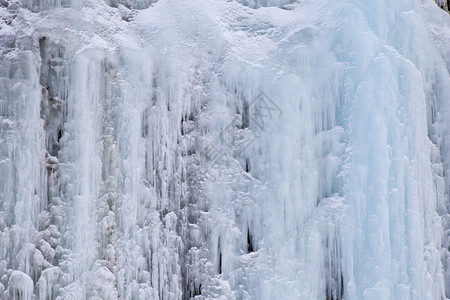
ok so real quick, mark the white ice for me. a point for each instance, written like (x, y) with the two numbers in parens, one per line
(249, 149)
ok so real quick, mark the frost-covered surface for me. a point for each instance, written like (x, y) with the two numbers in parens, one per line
(109, 110)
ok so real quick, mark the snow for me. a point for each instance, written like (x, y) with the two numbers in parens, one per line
(224, 150)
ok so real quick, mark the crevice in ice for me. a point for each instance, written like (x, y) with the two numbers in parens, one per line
(154, 89)
(245, 115)
(197, 290)
(220, 262)
(144, 124)
(219, 256)
(250, 247)
(53, 78)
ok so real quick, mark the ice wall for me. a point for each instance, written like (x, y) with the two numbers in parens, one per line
(224, 150)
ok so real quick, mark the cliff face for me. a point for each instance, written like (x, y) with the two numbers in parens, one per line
(224, 150)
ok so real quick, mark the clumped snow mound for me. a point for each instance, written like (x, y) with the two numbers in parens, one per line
(224, 150)
(20, 286)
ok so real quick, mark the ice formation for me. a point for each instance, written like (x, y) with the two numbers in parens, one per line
(251, 149)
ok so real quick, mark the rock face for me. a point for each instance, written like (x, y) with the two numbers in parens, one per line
(224, 149)
(444, 4)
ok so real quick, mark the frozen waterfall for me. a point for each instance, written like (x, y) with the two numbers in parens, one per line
(248, 149)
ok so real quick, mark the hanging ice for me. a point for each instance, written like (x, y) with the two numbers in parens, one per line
(224, 149)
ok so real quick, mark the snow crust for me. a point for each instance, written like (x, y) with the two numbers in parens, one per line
(224, 150)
